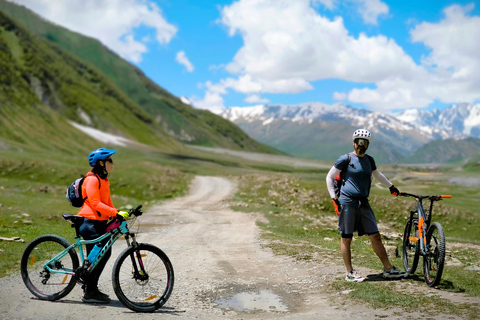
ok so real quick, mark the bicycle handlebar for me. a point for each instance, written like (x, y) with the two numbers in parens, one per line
(432, 198)
(136, 212)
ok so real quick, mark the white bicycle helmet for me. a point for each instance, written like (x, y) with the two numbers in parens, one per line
(362, 134)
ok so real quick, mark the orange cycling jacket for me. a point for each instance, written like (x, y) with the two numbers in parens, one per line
(98, 204)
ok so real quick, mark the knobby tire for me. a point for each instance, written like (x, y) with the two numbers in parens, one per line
(434, 261)
(143, 292)
(44, 284)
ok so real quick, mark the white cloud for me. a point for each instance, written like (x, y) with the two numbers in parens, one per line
(450, 73)
(245, 84)
(287, 45)
(371, 9)
(295, 42)
(255, 98)
(393, 94)
(112, 22)
(329, 4)
(183, 60)
(340, 96)
(454, 60)
(213, 99)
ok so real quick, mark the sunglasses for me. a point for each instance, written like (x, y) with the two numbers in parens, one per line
(109, 160)
(362, 142)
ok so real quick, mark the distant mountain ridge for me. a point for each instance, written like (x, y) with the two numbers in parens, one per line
(455, 122)
(396, 136)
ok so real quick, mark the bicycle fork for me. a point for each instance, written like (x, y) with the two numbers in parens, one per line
(139, 272)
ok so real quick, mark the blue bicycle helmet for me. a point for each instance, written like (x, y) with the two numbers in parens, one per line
(99, 154)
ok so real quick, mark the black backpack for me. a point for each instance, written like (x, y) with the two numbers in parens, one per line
(339, 180)
(74, 192)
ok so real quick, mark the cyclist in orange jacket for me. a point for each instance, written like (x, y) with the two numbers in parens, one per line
(96, 210)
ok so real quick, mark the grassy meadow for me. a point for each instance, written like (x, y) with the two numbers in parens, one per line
(301, 223)
(299, 217)
(33, 186)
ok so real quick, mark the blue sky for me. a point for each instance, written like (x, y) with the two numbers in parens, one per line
(380, 55)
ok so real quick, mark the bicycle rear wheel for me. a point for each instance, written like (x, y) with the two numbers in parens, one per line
(42, 283)
(411, 249)
(143, 278)
(434, 261)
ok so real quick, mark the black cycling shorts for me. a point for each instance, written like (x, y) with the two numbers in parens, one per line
(360, 219)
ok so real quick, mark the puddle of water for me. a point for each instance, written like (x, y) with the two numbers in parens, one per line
(263, 300)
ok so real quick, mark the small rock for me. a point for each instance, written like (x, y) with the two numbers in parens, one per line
(473, 268)
(453, 262)
(346, 291)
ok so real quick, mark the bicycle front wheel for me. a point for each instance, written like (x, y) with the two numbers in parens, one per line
(143, 278)
(47, 284)
(434, 260)
(411, 249)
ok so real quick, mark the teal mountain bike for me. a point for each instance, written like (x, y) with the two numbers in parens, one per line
(424, 238)
(142, 275)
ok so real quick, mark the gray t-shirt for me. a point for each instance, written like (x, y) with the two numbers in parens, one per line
(358, 179)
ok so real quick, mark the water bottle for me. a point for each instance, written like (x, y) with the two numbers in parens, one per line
(92, 256)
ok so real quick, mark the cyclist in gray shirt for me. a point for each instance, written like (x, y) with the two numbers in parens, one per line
(352, 206)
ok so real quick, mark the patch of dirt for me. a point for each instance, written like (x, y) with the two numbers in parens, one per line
(222, 271)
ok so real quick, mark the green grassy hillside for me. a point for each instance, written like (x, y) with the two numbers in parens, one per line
(42, 85)
(446, 151)
(183, 122)
(316, 140)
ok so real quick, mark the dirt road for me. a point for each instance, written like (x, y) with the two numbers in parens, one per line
(222, 271)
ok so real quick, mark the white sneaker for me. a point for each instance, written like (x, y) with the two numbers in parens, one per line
(394, 273)
(353, 276)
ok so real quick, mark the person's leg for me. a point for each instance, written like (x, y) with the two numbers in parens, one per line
(346, 226)
(389, 271)
(92, 283)
(346, 253)
(380, 251)
(369, 224)
(352, 275)
(90, 230)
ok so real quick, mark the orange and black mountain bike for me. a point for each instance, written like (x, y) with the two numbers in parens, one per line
(424, 238)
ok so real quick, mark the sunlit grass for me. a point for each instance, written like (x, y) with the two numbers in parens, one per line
(300, 222)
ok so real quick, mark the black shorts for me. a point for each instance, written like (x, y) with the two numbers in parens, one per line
(360, 219)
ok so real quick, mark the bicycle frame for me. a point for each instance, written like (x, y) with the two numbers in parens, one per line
(113, 235)
(424, 219)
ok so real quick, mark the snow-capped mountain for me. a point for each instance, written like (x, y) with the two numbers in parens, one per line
(456, 122)
(305, 125)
